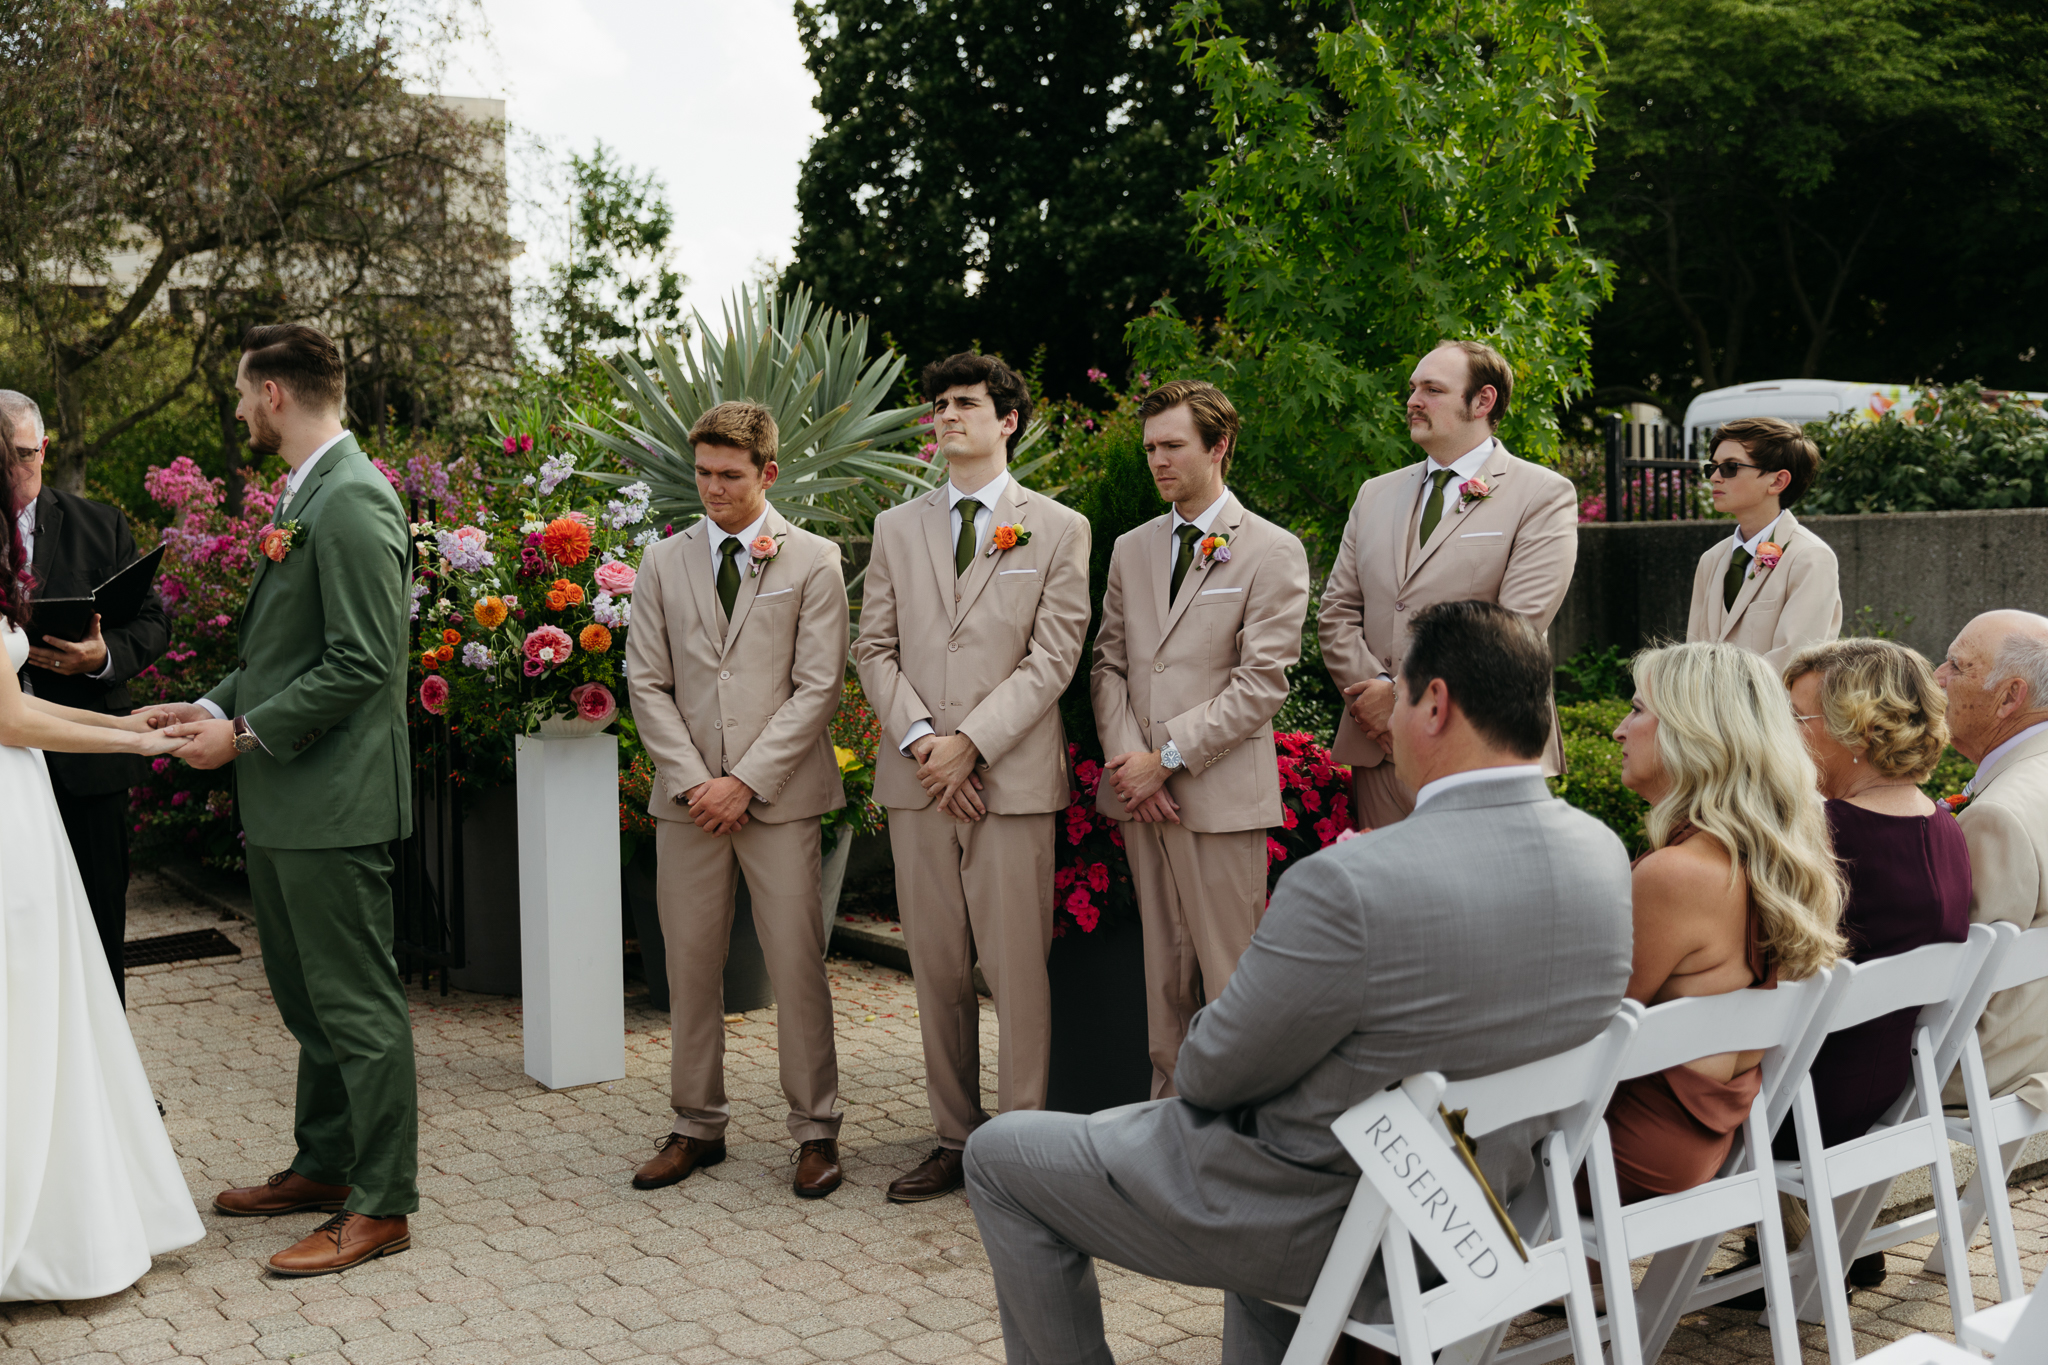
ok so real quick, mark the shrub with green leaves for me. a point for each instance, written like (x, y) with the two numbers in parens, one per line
(1962, 448)
(1592, 780)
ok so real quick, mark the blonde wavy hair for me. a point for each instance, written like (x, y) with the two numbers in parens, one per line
(1880, 701)
(1739, 771)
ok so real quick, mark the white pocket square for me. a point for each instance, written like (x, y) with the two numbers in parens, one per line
(1480, 535)
(779, 592)
(1211, 592)
(1004, 573)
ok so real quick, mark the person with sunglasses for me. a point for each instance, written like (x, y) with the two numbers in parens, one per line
(1773, 587)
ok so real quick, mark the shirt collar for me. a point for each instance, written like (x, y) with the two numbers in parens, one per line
(26, 517)
(1991, 759)
(1471, 775)
(1206, 520)
(304, 471)
(1466, 465)
(719, 535)
(987, 495)
(1759, 538)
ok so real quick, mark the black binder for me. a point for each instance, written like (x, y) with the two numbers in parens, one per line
(116, 602)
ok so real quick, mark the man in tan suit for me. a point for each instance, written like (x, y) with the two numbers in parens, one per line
(971, 626)
(1201, 620)
(1773, 587)
(736, 657)
(1471, 521)
(1996, 677)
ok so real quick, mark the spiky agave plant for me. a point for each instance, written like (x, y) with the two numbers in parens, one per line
(839, 462)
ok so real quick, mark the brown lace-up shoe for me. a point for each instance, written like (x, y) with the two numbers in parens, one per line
(941, 1174)
(675, 1156)
(817, 1168)
(285, 1192)
(342, 1241)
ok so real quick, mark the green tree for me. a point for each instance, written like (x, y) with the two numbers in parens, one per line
(175, 170)
(1819, 187)
(1413, 189)
(617, 281)
(1007, 172)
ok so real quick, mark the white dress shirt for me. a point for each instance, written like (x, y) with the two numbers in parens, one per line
(718, 537)
(1991, 759)
(987, 495)
(1471, 775)
(1466, 465)
(1754, 543)
(25, 523)
(1201, 523)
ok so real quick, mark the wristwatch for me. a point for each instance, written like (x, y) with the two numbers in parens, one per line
(1169, 757)
(245, 738)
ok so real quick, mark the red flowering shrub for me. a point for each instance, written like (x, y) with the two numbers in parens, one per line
(1315, 804)
(1091, 873)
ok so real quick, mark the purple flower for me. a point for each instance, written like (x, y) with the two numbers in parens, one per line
(180, 798)
(534, 668)
(1222, 554)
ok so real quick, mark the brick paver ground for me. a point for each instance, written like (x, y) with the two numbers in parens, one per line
(531, 1244)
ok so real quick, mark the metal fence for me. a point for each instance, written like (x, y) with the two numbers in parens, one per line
(1651, 476)
(427, 881)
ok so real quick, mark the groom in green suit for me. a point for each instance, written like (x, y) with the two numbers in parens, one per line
(313, 718)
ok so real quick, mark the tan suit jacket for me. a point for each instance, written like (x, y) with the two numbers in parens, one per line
(1516, 547)
(1207, 670)
(2006, 827)
(985, 654)
(751, 699)
(1779, 611)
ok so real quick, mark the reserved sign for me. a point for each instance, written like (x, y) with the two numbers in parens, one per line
(1428, 1189)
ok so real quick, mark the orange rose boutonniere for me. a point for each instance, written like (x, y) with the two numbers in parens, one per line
(1007, 538)
(1474, 489)
(1955, 802)
(276, 541)
(1767, 556)
(760, 551)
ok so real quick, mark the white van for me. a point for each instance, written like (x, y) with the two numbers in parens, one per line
(1805, 400)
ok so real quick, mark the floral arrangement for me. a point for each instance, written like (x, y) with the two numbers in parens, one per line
(856, 731)
(1091, 871)
(1315, 804)
(521, 616)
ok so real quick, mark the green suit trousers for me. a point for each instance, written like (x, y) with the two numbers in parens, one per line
(324, 918)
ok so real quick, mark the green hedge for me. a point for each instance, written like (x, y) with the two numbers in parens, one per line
(1592, 778)
(1961, 449)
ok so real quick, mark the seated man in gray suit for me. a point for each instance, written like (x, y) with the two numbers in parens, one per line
(1490, 929)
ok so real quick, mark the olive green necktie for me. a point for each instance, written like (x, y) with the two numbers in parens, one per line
(1182, 561)
(1731, 586)
(1433, 510)
(729, 575)
(963, 547)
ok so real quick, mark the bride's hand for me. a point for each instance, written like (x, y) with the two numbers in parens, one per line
(168, 713)
(149, 743)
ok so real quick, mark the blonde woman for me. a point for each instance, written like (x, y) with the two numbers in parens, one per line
(1739, 888)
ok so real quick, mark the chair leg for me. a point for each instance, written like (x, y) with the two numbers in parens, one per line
(1344, 1270)
(1962, 1295)
(1582, 1319)
(1825, 1238)
(1997, 1210)
(1660, 1301)
(1624, 1334)
(1770, 1245)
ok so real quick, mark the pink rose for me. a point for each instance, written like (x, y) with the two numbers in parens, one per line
(434, 694)
(594, 702)
(548, 646)
(616, 577)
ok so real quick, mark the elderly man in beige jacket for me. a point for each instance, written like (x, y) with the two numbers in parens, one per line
(1201, 620)
(1470, 521)
(1996, 677)
(736, 657)
(971, 625)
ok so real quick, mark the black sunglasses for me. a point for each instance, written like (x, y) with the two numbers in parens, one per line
(1727, 469)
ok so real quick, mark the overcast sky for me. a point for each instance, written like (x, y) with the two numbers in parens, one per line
(710, 94)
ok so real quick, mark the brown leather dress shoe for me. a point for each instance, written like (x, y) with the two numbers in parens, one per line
(940, 1175)
(342, 1241)
(285, 1192)
(817, 1168)
(675, 1156)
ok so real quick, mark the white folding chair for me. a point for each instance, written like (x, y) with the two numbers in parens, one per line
(1921, 1349)
(1938, 975)
(1569, 1092)
(2013, 1333)
(1997, 1129)
(1745, 1194)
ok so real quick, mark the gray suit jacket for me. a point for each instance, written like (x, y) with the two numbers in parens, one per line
(1489, 929)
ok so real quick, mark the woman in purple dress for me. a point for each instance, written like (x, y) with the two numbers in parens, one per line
(1874, 721)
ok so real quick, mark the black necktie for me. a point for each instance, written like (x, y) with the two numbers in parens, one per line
(1731, 586)
(729, 574)
(1189, 533)
(963, 546)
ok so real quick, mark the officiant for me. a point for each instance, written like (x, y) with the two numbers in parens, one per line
(72, 545)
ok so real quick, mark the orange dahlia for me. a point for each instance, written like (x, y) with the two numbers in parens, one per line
(451, 637)
(566, 541)
(490, 613)
(595, 638)
(445, 653)
(430, 660)
(572, 593)
(557, 600)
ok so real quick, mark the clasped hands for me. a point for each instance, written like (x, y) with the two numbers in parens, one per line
(1371, 704)
(720, 805)
(945, 768)
(1140, 781)
(209, 743)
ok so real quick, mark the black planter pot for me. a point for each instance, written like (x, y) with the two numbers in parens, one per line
(746, 968)
(1099, 1056)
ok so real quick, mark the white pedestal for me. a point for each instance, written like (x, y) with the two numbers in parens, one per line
(570, 945)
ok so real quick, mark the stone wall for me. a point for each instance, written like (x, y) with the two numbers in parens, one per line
(1634, 580)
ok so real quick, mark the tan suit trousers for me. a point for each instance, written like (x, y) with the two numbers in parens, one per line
(1379, 797)
(1200, 897)
(694, 891)
(977, 891)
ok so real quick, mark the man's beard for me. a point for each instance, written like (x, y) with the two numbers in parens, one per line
(264, 438)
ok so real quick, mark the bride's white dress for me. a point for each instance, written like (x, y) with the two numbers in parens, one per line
(89, 1186)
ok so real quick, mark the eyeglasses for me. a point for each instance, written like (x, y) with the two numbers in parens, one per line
(1727, 469)
(28, 452)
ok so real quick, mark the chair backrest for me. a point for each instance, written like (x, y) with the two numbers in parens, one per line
(1932, 975)
(1569, 1090)
(2024, 959)
(1680, 1031)
(1954, 1024)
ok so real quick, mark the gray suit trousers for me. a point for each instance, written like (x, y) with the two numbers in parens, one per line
(1048, 1209)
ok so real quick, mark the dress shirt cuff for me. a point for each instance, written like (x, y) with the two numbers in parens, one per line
(916, 733)
(206, 704)
(106, 669)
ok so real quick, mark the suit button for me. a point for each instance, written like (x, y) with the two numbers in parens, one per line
(953, 649)
(1159, 668)
(1144, 720)
(718, 725)
(956, 594)
(1400, 606)
(723, 676)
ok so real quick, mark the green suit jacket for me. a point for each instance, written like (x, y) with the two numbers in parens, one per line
(321, 675)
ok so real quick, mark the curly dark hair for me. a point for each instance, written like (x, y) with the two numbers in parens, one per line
(15, 581)
(1006, 388)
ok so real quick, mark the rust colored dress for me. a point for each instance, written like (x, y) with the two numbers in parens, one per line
(1672, 1130)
